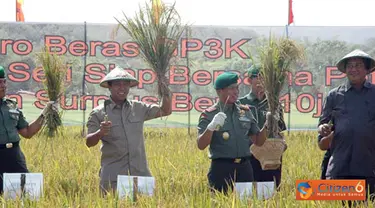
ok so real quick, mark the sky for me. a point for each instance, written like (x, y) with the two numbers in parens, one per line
(202, 12)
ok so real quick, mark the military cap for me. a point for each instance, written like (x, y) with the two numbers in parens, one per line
(118, 73)
(253, 71)
(2, 72)
(356, 54)
(225, 79)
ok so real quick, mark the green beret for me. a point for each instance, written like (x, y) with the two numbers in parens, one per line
(2, 72)
(253, 71)
(225, 79)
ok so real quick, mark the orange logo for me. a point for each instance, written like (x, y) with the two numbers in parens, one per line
(330, 190)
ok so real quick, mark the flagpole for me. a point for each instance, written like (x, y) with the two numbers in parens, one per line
(84, 81)
(188, 67)
(289, 84)
(16, 11)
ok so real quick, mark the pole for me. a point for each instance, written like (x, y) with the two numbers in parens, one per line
(83, 80)
(289, 85)
(187, 65)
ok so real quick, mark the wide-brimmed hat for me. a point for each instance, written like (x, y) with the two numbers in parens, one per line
(355, 54)
(118, 73)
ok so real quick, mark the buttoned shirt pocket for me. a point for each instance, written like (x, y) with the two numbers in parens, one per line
(135, 124)
(117, 130)
(245, 122)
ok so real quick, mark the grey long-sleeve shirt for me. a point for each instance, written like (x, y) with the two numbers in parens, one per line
(353, 145)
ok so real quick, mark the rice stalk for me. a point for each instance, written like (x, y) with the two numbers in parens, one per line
(54, 69)
(157, 30)
(277, 58)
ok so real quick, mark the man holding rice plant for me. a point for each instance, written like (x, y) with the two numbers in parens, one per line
(12, 124)
(119, 125)
(258, 104)
(352, 107)
(227, 128)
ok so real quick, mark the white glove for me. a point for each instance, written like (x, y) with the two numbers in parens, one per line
(218, 120)
(55, 107)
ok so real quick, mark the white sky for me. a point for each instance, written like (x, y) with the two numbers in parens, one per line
(203, 12)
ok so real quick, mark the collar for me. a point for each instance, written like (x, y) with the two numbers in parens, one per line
(224, 107)
(348, 85)
(112, 105)
(252, 97)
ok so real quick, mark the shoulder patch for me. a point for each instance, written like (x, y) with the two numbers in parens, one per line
(203, 115)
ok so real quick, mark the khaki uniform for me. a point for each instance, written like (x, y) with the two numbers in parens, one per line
(123, 150)
(12, 159)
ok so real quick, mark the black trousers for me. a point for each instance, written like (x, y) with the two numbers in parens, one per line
(224, 172)
(265, 175)
(324, 165)
(11, 161)
(370, 189)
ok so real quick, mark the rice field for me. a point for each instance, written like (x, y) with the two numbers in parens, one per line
(71, 172)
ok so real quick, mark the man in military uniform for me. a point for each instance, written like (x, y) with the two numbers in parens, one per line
(227, 128)
(13, 123)
(123, 150)
(352, 108)
(258, 104)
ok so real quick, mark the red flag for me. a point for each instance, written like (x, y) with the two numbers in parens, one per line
(19, 11)
(290, 16)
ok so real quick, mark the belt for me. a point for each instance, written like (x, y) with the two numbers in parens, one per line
(9, 145)
(233, 160)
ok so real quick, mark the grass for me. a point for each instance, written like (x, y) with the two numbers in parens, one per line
(71, 172)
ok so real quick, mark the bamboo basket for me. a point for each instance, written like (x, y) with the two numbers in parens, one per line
(269, 154)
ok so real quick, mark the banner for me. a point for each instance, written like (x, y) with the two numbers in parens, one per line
(200, 58)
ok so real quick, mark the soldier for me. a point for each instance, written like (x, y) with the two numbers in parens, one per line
(13, 123)
(352, 108)
(258, 104)
(228, 128)
(123, 151)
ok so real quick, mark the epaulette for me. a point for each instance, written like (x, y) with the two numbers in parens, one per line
(11, 103)
(210, 109)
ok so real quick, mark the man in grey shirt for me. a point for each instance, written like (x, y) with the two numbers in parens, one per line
(352, 107)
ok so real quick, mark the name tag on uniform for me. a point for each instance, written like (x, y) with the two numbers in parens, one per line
(128, 186)
(23, 185)
(244, 118)
(263, 190)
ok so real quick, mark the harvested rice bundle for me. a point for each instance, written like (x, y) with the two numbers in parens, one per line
(276, 60)
(157, 30)
(55, 72)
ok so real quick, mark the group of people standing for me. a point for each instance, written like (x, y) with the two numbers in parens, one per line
(228, 128)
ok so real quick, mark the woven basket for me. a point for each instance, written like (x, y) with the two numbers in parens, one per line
(269, 154)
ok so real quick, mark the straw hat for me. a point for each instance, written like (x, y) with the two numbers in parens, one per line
(118, 74)
(355, 54)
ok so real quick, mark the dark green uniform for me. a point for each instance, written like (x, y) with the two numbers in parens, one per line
(229, 155)
(12, 159)
(259, 109)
